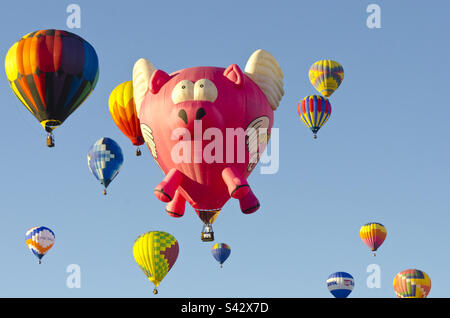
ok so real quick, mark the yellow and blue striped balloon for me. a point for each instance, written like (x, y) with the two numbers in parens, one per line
(314, 110)
(221, 252)
(326, 76)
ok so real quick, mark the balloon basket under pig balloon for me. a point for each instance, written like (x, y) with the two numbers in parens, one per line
(193, 103)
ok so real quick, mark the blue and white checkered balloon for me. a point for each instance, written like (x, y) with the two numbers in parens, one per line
(105, 159)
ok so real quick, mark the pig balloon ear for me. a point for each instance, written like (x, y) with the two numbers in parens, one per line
(158, 79)
(234, 74)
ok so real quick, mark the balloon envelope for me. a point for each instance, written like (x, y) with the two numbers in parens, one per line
(326, 76)
(221, 252)
(105, 159)
(40, 240)
(123, 112)
(155, 252)
(52, 72)
(340, 284)
(373, 235)
(412, 283)
(315, 111)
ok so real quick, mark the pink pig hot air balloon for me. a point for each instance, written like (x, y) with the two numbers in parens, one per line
(206, 128)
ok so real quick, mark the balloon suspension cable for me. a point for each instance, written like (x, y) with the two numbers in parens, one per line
(155, 291)
(50, 140)
(104, 191)
(138, 152)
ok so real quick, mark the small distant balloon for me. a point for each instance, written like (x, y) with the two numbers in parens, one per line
(373, 235)
(155, 252)
(340, 284)
(105, 159)
(221, 252)
(40, 240)
(123, 112)
(326, 76)
(412, 283)
(314, 111)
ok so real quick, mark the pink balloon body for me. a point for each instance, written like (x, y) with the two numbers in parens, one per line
(204, 183)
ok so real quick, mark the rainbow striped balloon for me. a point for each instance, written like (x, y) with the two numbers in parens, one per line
(39, 240)
(326, 76)
(412, 283)
(314, 110)
(373, 235)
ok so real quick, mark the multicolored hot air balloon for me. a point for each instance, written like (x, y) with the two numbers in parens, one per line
(373, 235)
(123, 112)
(221, 251)
(340, 284)
(314, 110)
(155, 252)
(105, 159)
(176, 112)
(412, 283)
(51, 72)
(326, 76)
(39, 240)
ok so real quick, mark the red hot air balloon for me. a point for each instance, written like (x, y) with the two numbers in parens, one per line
(186, 118)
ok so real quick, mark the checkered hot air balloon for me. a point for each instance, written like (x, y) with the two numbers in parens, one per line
(373, 235)
(340, 284)
(123, 112)
(155, 252)
(326, 76)
(314, 111)
(221, 252)
(105, 159)
(39, 240)
(51, 72)
(412, 283)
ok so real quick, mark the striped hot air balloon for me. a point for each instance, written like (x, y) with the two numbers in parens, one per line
(373, 235)
(105, 159)
(123, 112)
(326, 76)
(39, 240)
(412, 283)
(155, 252)
(221, 252)
(314, 110)
(340, 284)
(51, 72)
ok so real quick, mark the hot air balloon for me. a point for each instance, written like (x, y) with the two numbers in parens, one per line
(51, 72)
(373, 235)
(340, 284)
(155, 252)
(221, 251)
(39, 240)
(123, 112)
(179, 112)
(326, 76)
(412, 283)
(314, 110)
(105, 159)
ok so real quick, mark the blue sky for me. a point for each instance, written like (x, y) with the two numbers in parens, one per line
(381, 157)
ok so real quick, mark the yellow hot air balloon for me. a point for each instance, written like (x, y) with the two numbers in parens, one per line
(326, 76)
(373, 235)
(412, 283)
(123, 112)
(155, 252)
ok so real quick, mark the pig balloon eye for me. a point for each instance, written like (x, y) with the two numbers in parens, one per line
(204, 89)
(183, 91)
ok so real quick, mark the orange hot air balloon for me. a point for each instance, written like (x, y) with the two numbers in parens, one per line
(123, 112)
